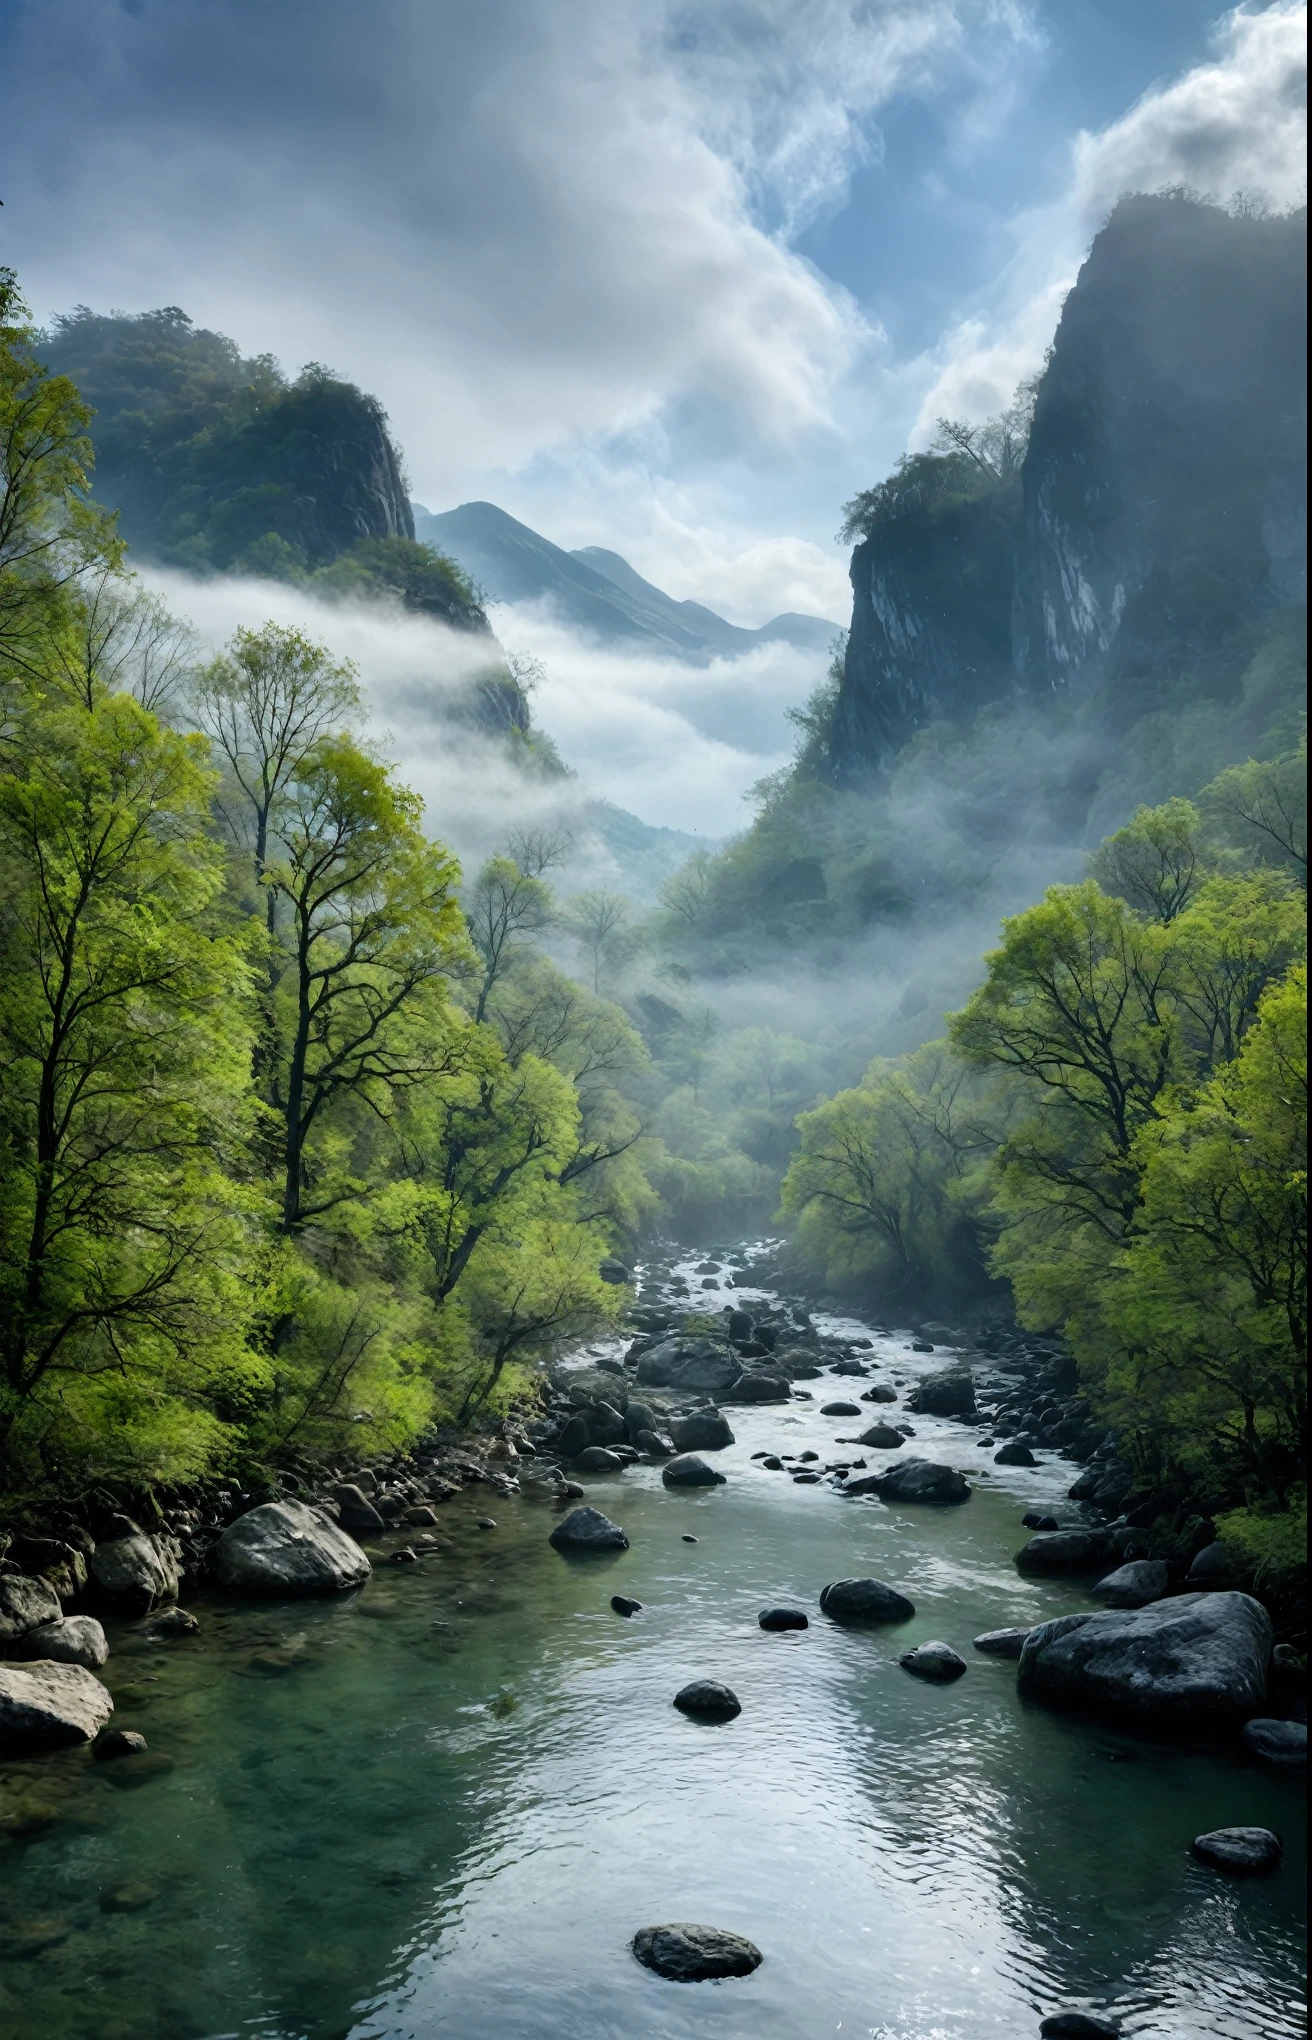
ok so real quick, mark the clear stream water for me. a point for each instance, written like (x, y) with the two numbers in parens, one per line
(443, 1806)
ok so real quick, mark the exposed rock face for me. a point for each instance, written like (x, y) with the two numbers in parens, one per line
(587, 1530)
(865, 1601)
(25, 1604)
(44, 1704)
(287, 1548)
(77, 1640)
(690, 1954)
(1197, 1663)
(1164, 454)
(134, 1572)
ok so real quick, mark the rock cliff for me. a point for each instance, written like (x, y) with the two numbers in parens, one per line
(1161, 505)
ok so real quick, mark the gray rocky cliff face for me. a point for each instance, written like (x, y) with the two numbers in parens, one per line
(1162, 504)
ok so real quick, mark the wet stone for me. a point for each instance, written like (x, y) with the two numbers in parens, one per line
(934, 1661)
(1240, 1851)
(622, 1605)
(684, 1953)
(708, 1698)
(782, 1618)
(1003, 1643)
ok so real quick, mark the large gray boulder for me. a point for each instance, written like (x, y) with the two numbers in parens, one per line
(1003, 1643)
(1240, 1851)
(1214, 1567)
(44, 1704)
(923, 1480)
(685, 1953)
(25, 1604)
(587, 1530)
(1195, 1663)
(288, 1548)
(703, 1431)
(1134, 1585)
(1061, 1551)
(134, 1572)
(882, 1438)
(356, 1512)
(865, 1601)
(690, 1471)
(77, 1640)
(758, 1388)
(709, 1371)
(950, 1394)
(599, 1459)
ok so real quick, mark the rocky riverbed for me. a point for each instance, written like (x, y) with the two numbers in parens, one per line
(458, 1794)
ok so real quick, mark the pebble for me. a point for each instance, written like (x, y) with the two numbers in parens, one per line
(490, 1522)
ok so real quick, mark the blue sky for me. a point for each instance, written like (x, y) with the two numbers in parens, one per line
(667, 276)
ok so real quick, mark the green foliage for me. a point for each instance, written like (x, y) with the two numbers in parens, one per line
(886, 1183)
(220, 463)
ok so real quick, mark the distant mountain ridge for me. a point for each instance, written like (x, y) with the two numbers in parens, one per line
(597, 590)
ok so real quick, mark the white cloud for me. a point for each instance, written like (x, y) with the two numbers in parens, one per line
(1237, 123)
(676, 745)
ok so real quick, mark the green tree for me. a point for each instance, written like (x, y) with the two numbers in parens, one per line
(265, 704)
(1208, 1299)
(124, 1059)
(1156, 863)
(1261, 808)
(372, 930)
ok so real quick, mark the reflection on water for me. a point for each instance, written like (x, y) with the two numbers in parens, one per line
(443, 1806)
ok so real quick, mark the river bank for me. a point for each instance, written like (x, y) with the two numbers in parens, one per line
(446, 1803)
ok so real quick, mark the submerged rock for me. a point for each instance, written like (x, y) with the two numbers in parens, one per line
(684, 1953)
(288, 1548)
(1283, 1743)
(1078, 2026)
(865, 1601)
(690, 1471)
(1196, 1663)
(1004, 1643)
(43, 1705)
(77, 1640)
(1134, 1585)
(782, 1618)
(587, 1530)
(118, 1742)
(709, 1697)
(703, 1431)
(1240, 1851)
(935, 1661)
(173, 1622)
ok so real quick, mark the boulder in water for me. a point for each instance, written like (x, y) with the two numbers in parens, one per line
(585, 1530)
(77, 1640)
(758, 1388)
(1240, 1851)
(840, 1409)
(134, 1572)
(690, 1471)
(882, 1438)
(597, 1459)
(1078, 2026)
(865, 1601)
(1004, 1643)
(880, 1393)
(709, 1697)
(703, 1431)
(923, 1480)
(935, 1661)
(949, 1394)
(684, 1953)
(355, 1512)
(43, 1705)
(1060, 1551)
(1195, 1663)
(1014, 1454)
(623, 1604)
(782, 1618)
(288, 1548)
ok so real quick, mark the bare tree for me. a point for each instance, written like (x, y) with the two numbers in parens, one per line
(125, 639)
(599, 920)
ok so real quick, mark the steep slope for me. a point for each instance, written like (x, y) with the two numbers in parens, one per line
(596, 590)
(1160, 511)
(215, 462)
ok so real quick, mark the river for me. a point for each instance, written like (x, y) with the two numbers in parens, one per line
(442, 1807)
